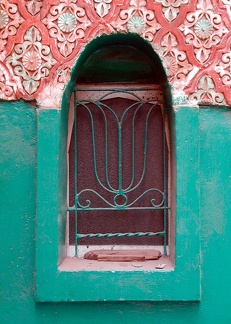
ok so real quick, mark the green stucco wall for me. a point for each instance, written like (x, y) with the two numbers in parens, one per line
(17, 246)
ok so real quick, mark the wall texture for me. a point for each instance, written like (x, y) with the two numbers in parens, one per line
(41, 40)
(18, 212)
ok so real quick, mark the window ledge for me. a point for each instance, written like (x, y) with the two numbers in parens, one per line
(79, 264)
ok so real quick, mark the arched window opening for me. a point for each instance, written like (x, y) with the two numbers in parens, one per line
(130, 119)
(118, 154)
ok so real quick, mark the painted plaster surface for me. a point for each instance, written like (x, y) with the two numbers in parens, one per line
(17, 221)
(40, 42)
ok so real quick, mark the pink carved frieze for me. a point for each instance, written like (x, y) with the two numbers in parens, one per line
(176, 62)
(171, 8)
(67, 24)
(204, 30)
(51, 96)
(31, 60)
(137, 18)
(227, 4)
(41, 40)
(8, 86)
(102, 7)
(10, 21)
(206, 93)
(33, 6)
(223, 69)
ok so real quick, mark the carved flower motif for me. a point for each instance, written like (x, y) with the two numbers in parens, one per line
(4, 19)
(102, 7)
(171, 8)
(136, 25)
(67, 22)
(2, 44)
(207, 92)
(171, 66)
(33, 6)
(31, 60)
(203, 29)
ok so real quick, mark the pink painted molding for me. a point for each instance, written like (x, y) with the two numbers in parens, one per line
(40, 42)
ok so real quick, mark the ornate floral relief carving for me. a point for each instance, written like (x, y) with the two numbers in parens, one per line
(136, 25)
(175, 61)
(33, 6)
(206, 92)
(64, 75)
(171, 8)
(7, 86)
(137, 19)
(224, 69)
(102, 7)
(70, 24)
(10, 20)
(203, 29)
(4, 19)
(31, 60)
(67, 23)
(227, 4)
(51, 96)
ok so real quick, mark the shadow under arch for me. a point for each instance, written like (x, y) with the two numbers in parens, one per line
(131, 52)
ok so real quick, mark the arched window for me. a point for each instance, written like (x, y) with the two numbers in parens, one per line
(129, 112)
(118, 153)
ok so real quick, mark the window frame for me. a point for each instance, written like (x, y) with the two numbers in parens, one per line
(151, 94)
(54, 285)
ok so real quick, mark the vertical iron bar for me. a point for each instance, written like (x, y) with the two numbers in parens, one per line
(165, 187)
(75, 172)
(106, 151)
(133, 146)
(120, 157)
(133, 149)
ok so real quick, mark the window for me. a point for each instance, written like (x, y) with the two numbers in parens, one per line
(118, 168)
(57, 276)
(118, 155)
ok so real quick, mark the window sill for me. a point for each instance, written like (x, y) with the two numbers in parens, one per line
(72, 281)
(79, 264)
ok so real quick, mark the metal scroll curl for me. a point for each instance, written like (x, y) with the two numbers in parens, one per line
(83, 203)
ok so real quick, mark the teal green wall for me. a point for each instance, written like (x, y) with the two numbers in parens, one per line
(17, 221)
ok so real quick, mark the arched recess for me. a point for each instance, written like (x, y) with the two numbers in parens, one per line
(62, 278)
(119, 63)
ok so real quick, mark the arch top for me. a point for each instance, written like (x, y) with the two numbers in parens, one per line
(116, 59)
(124, 58)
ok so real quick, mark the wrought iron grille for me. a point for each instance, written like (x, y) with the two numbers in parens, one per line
(118, 152)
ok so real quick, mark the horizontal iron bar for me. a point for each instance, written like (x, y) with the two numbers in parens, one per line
(117, 89)
(100, 235)
(72, 209)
